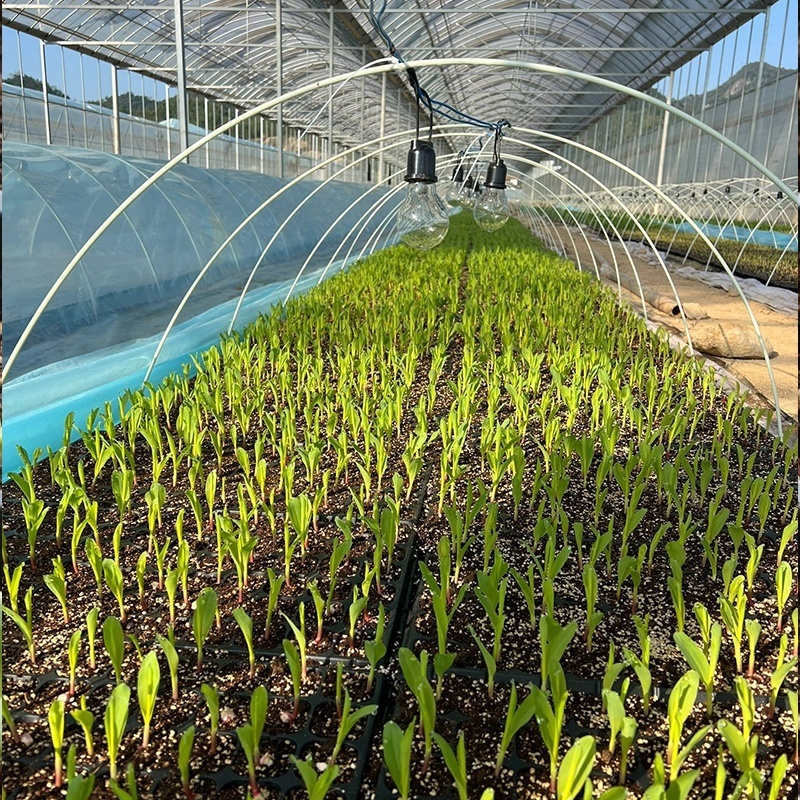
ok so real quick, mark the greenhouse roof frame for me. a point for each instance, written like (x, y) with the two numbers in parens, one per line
(231, 51)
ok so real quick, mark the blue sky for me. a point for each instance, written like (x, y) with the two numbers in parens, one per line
(725, 60)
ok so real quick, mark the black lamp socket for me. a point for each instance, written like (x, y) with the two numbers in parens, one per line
(421, 164)
(496, 176)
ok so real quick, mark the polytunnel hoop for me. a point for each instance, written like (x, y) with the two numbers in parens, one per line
(376, 70)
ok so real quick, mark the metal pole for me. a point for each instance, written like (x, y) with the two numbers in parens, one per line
(757, 97)
(279, 78)
(66, 109)
(701, 115)
(115, 137)
(45, 94)
(383, 124)
(180, 67)
(662, 154)
(361, 124)
(330, 88)
(261, 144)
(22, 88)
(205, 119)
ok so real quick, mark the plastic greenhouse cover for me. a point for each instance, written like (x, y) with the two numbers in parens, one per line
(101, 328)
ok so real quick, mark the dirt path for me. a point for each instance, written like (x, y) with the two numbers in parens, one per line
(781, 330)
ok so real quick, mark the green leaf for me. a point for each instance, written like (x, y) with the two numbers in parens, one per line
(147, 690)
(397, 755)
(575, 768)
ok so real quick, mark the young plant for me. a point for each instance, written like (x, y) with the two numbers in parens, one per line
(375, 649)
(347, 723)
(397, 755)
(744, 750)
(456, 762)
(300, 636)
(212, 701)
(184, 757)
(317, 784)
(615, 709)
(488, 658)
(354, 612)
(627, 738)
(275, 585)
(12, 583)
(753, 629)
(114, 642)
(85, 719)
(147, 690)
(25, 624)
(258, 715)
(202, 619)
(55, 718)
(293, 660)
(113, 576)
(56, 582)
(593, 618)
(73, 650)
(704, 664)
(679, 707)
(550, 719)
(319, 609)
(733, 609)
(115, 719)
(576, 766)
(245, 623)
(779, 674)
(783, 588)
(554, 640)
(247, 739)
(34, 512)
(517, 716)
(415, 674)
(141, 568)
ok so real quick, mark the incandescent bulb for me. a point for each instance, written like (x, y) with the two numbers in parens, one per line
(422, 220)
(453, 196)
(491, 210)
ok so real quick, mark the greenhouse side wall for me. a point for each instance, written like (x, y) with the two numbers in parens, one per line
(100, 331)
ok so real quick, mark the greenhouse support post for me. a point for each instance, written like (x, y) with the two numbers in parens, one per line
(330, 88)
(279, 82)
(45, 94)
(383, 124)
(116, 139)
(180, 69)
(662, 154)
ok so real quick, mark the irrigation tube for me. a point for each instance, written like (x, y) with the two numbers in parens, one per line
(377, 70)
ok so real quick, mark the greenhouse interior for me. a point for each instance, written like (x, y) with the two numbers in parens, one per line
(400, 400)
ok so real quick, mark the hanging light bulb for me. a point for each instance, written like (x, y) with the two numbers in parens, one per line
(491, 209)
(453, 196)
(467, 193)
(422, 219)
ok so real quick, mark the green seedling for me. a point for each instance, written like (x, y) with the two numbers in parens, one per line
(114, 581)
(171, 654)
(550, 719)
(779, 675)
(747, 705)
(9, 719)
(80, 787)
(375, 649)
(397, 755)
(415, 674)
(85, 719)
(184, 758)
(347, 723)
(293, 659)
(527, 587)
(354, 612)
(456, 762)
(627, 738)
(203, 619)
(114, 642)
(744, 751)
(575, 768)
(733, 609)
(317, 784)
(554, 640)
(212, 701)
(34, 512)
(94, 556)
(340, 551)
(615, 709)
(259, 701)
(705, 665)
(248, 742)
(593, 618)
(300, 637)
(12, 583)
(778, 774)
(115, 719)
(680, 704)
(319, 609)
(245, 624)
(488, 658)
(131, 791)
(91, 631)
(141, 568)
(56, 582)
(753, 629)
(783, 588)
(517, 716)
(275, 584)
(791, 697)
(55, 719)
(147, 690)
(73, 650)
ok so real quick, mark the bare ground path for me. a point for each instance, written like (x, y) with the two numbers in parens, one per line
(780, 329)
